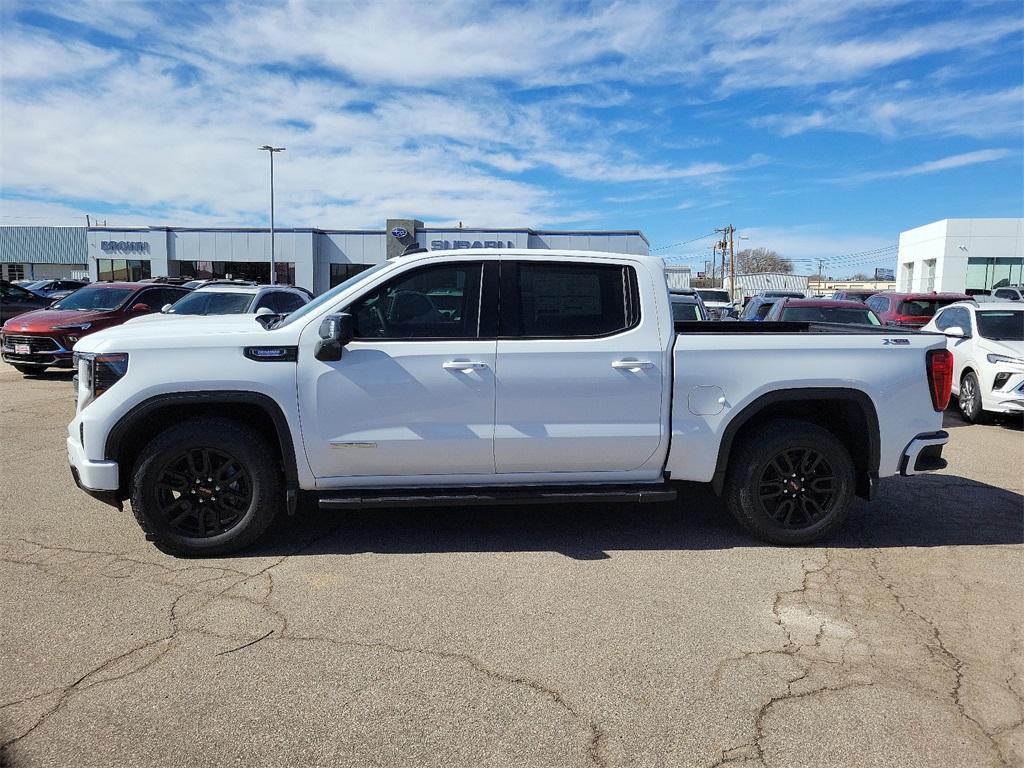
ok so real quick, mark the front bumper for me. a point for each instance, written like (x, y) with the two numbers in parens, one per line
(42, 350)
(99, 479)
(924, 453)
(1009, 398)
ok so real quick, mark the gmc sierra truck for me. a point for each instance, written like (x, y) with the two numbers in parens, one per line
(497, 377)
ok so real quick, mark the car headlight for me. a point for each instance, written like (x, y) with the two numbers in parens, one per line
(99, 372)
(1005, 359)
(73, 327)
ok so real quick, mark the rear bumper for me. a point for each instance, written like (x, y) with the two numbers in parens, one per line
(97, 478)
(924, 453)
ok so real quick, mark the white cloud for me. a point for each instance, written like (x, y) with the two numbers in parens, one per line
(893, 113)
(450, 109)
(32, 57)
(935, 166)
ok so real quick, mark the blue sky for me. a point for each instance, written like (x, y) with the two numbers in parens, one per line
(820, 129)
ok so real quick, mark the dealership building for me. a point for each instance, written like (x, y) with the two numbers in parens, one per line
(961, 255)
(312, 258)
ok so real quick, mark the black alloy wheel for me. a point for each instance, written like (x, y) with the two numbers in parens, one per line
(797, 488)
(790, 482)
(203, 492)
(206, 486)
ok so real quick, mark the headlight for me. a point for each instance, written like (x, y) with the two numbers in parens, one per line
(98, 373)
(1005, 359)
(73, 327)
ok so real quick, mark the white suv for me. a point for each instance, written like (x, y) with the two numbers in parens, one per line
(987, 342)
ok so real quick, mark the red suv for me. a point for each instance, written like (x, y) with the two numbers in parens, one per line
(35, 341)
(911, 309)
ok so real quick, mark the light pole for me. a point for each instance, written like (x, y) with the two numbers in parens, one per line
(270, 151)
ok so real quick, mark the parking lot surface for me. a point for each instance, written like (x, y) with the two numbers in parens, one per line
(541, 636)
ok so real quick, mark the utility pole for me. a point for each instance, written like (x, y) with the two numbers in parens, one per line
(273, 267)
(821, 264)
(727, 242)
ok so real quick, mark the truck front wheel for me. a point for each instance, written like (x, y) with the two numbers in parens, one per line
(790, 482)
(206, 487)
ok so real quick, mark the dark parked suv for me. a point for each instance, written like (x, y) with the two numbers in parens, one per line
(15, 300)
(38, 340)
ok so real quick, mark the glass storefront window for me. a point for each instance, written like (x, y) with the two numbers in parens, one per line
(257, 271)
(986, 274)
(342, 272)
(129, 270)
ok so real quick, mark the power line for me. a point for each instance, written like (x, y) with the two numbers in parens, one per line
(684, 242)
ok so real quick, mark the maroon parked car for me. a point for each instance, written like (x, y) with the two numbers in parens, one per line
(911, 309)
(35, 341)
(822, 311)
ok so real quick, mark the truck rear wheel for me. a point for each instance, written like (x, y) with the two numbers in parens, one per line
(206, 487)
(790, 482)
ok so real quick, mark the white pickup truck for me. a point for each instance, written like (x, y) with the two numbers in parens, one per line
(485, 376)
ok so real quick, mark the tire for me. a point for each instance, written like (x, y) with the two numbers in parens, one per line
(969, 399)
(29, 370)
(773, 505)
(225, 466)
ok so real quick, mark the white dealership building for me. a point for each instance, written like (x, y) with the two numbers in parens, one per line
(312, 258)
(961, 255)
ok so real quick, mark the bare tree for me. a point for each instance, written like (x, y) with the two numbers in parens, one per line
(861, 276)
(753, 260)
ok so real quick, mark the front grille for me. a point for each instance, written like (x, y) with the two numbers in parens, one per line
(36, 344)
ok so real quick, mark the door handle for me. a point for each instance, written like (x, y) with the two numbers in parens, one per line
(632, 365)
(463, 365)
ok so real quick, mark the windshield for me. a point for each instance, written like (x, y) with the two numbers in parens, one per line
(211, 303)
(328, 297)
(99, 298)
(1001, 325)
(923, 307)
(830, 315)
(709, 295)
(685, 311)
(15, 292)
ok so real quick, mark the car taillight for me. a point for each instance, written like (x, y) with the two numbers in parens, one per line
(940, 377)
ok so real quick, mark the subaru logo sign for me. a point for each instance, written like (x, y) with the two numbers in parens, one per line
(399, 232)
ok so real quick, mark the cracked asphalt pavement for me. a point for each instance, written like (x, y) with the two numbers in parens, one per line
(539, 636)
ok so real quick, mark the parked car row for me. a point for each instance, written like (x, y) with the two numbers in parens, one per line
(39, 333)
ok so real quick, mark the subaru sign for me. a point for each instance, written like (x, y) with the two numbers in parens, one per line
(448, 245)
(399, 232)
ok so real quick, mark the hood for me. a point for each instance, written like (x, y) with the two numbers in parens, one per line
(43, 320)
(150, 318)
(184, 332)
(1008, 348)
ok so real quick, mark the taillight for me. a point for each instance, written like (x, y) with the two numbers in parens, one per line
(940, 377)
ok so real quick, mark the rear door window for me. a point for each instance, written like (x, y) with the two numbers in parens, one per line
(564, 300)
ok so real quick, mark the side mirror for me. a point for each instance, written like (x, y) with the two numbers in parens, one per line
(956, 332)
(335, 332)
(165, 309)
(141, 308)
